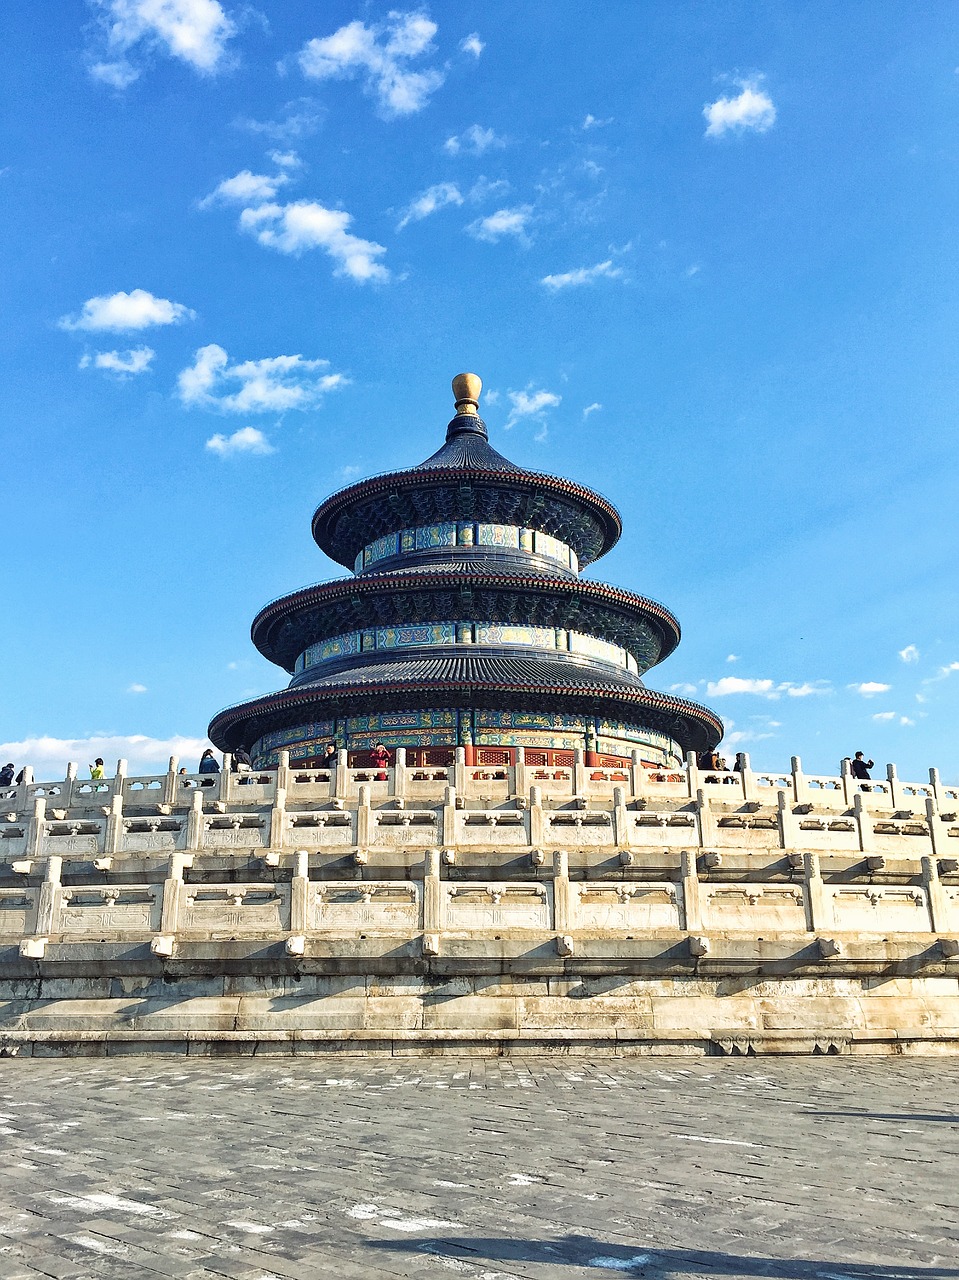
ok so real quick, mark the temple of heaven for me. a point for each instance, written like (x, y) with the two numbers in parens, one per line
(466, 624)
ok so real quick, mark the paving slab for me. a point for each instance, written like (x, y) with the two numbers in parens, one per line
(801, 1168)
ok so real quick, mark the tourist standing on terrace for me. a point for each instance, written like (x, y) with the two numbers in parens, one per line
(860, 768)
(208, 763)
(380, 758)
(6, 774)
(96, 769)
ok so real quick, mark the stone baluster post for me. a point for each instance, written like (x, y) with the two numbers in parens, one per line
(788, 822)
(519, 773)
(398, 787)
(537, 824)
(116, 784)
(278, 820)
(819, 913)
(692, 897)
(342, 774)
(459, 771)
(579, 772)
(938, 903)
(283, 772)
(194, 823)
(799, 781)
(169, 795)
(113, 838)
(69, 784)
(364, 817)
(226, 778)
(637, 776)
(895, 791)
(705, 818)
(562, 893)
(621, 824)
(33, 846)
(432, 894)
(850, 786)
(300, 892)
(449, 817)
(48, 909)
(173, 893)
(937, 838)
(746, 776)
(863, 823)
(692, 775)
(936, 783)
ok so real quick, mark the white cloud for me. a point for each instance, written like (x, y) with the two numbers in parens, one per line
(349, 472)
(123, 363)
(272, 385)
(472, 44)
(591, 408)
(884, 715)
(530, 404)
(751, 109)
(297, 228)
(732, 657)
(581, 275)
(909, 654)
(246, 188)
(734, 684)
(195, 31)
(137, 688)
(904, 720)
(286, 159)
(380, 53)
(475, 140)
(301, 118)
(682, 688)
(592, 122)
(943, 673)
(765, 688)
(49, 756)
(437, 197)
(121, 311)
(868, 688)
(246, 440)
(504, 222)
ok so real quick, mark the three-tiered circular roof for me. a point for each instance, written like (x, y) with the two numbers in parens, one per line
(522, 603)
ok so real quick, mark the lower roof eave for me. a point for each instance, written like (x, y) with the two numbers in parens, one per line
(694, 727)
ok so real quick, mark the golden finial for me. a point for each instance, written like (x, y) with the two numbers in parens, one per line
(466, 389)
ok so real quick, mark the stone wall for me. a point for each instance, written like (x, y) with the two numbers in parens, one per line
(480, 909)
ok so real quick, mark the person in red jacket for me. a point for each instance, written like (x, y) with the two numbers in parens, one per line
(380, 758)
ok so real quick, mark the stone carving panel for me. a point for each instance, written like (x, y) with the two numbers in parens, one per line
(352, 908)
(497, 906)
(111, 910)
(752, 908)
(627, 907)
(231, 910)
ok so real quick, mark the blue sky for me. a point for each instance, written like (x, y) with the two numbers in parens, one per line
(703, 257)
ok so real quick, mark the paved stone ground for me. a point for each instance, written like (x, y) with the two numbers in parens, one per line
(809, 1169)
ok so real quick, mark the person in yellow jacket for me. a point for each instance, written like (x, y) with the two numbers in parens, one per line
(96, 769)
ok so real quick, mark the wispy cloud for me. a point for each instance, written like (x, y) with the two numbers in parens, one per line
(299, 119)
(122, 363)
(732, 657)
(194, 31)
(247, 188)
(49, 756)
(772, 689)
(684, 688)
(752, 109)
(943, 673)
(246, 440)
(272, 385)
(122, 312)
(136, 688)
(504, 222)
(474, 140)
(581, 276)
(593, 122)
(297, 228)
(595, 407)
(532, 405)
(909, 654)
(286, 159)
(472, 44)
(869, 688)
(380, 54)
(429, 201)
(884, 715)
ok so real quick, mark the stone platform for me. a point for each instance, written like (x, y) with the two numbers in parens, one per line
(487, 1170)
(480, 909)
